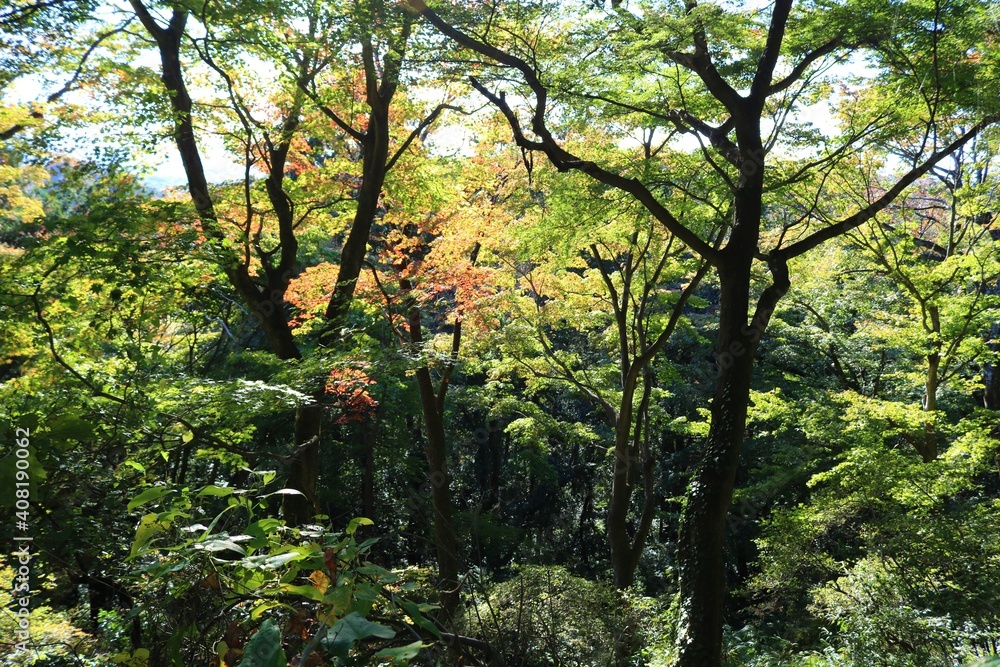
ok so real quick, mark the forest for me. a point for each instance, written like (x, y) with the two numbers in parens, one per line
(512, 333)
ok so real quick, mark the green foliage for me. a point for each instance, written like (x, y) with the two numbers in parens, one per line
(878, 626)
(264, 649)
(901, 554)
(545, 616)
(55, 636)
(863, 528)
(322, 579)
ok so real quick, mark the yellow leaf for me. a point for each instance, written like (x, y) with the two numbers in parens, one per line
(320, 580)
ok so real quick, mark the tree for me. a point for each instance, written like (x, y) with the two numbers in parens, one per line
(602, 295)
(382, 35)
(523, 376)
(86, 317)
(946, 272)
(265, 301)
(419, 282)
(718, 75)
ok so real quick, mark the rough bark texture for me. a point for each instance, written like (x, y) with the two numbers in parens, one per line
(701, 552)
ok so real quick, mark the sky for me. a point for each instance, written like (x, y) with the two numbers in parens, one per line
(163, 168)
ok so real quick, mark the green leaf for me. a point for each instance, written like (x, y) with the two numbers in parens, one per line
(222, 545)
(259, 609)
(71, 427)
(264, 648)
(149, 525)
(352, 527)
(215, 491)
(349, 630)
(221, 649)
(413, 610)
(310, 592)
(263, 527)
(216, 520)
(284, 492)
(402, 654)
(276, 561)
(152, 493)
(338, 599)
(367, 543)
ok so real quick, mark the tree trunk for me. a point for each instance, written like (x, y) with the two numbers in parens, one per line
(632, 461)
(368, 436)
(352, 257)
(701, 552)
(633, 458)
(928, 449)
(991, 372)
(305, 456)
(623, 561)
(701, 548)
(489, 462)
(267, 305)
(445, 539)
(991, 379)
(432, 408)
(303, 470)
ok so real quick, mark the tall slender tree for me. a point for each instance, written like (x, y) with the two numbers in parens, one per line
(310, 53)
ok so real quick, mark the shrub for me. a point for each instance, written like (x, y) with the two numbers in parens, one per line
(546, 616)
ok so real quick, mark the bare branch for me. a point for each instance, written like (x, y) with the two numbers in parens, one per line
(418, 130)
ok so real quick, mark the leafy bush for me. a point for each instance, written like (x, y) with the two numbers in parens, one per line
(546, 616)
(880, 626)
(293, 592)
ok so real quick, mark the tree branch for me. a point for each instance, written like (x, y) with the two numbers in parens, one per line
(759, 89)
(332, 115)
(701, 64)
(804, 64)
(867, 213)
(685, 122)
(68, 86)
(423, 125)
(560, 157)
